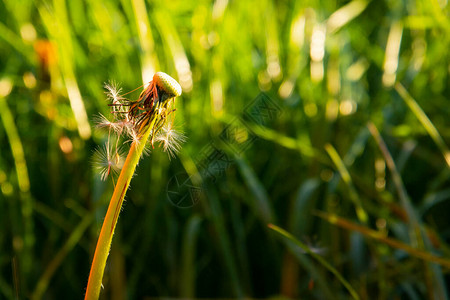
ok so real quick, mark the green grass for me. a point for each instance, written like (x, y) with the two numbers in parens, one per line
(355, 164)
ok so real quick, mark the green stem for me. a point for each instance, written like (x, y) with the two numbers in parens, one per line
(23, 180)
(112, 215)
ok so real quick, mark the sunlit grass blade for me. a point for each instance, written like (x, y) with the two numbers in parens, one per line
(439, 14)
(345, 175)
(392, 54)
(294, 53)
(149, 61)
(426, 122)
(317, 257)
(14, 138)
(345, 14)
(172, 39)
(272, 43)
(14, 40)
(372, 234)
(59, 30)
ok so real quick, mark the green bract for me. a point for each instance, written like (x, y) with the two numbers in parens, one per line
(167, 84)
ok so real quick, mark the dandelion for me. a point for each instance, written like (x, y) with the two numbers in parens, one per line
(143, 120)
(133, 119)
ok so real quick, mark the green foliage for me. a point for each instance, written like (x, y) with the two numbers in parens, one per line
(327, 69)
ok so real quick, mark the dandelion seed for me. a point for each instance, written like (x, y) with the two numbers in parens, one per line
(108, 160)
(170, 139)
(119, 127)
(104, 122)
(113, 92)
(122, 127)
(119, 104)
(147, 150)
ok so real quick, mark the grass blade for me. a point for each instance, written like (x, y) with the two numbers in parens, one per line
(149, 62)
(398, 182)
(423, 118)
(288, 142)
(336, 220)
(23, 180)
(56, 24)
(345, 14)
(360, 212)
(322, 261)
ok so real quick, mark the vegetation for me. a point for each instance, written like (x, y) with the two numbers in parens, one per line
(316, 164)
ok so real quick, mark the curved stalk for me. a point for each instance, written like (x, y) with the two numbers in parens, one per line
(146, 116)
(112, 215)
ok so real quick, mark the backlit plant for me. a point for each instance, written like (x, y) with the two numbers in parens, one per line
(145, 121)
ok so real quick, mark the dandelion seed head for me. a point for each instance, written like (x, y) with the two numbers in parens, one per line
(133, 119)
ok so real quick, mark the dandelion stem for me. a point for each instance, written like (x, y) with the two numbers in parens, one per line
(145, 116)
(109, 224)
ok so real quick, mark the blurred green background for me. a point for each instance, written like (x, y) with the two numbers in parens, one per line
(327, 118)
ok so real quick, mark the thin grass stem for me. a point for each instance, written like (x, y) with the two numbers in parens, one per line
(317, 257)
(379, 236)
(342, 169)
(423, 118)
